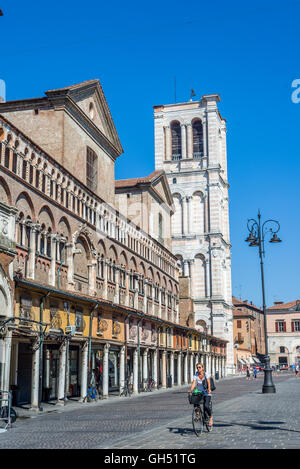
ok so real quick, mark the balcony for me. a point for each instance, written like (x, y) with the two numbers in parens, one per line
(198, 155)
(239, 339)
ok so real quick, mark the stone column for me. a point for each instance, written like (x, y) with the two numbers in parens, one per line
(204, 123)
(47, 368)
(188, 215)
(189, 141)
(35, 379)
(122, 367)
(70, 263)
(192, 276)
(62, 374)
(183, 141)
(192, 369)
(185, 215)
(105, 273)
(179, 358)
(83, 371)
(127, 285)
(105, 371)
(185, 370)
(31, 257)
(53, 261)
(5, 360)
(155, 368)
(14, 363)
(92, 272)
(168, 142)
(164, 370)
(117, 287)
(135, 372)
(145, 366)
(185, 268)
(172, 367)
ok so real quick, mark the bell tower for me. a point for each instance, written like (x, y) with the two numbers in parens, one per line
(190, 146)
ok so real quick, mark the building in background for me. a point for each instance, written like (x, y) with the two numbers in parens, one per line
(283, 326)
(190, 146)
(248, 333)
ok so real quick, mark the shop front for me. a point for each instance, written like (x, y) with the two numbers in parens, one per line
(113, 369)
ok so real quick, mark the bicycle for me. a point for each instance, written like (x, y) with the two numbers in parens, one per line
(198, 416)
(4, 414)
(92, 394)
(150, 383)
(126, 390)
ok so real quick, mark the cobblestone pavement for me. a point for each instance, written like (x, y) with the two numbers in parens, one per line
(243, 418)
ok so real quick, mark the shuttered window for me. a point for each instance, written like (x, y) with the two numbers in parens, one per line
(91, 170)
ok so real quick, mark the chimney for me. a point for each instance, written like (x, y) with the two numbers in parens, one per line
(278, 302)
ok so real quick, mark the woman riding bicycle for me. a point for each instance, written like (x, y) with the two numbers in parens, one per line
(202, 381)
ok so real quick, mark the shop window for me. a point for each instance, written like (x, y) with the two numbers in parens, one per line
(25, 311)
(79, 323)
(239, 324)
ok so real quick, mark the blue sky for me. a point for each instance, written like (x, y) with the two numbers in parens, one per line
(248, 52)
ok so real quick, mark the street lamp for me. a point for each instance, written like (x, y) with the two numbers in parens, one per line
(257, 232)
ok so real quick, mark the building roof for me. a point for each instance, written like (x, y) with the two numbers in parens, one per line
(239, 302)
(136, 181)
(290, 305)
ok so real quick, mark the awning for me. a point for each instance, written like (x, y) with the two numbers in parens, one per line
(241, 361)
(256, 360)
(251, 361)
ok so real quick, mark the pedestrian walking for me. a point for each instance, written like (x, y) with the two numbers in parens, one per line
(255, 372)
(248, 373)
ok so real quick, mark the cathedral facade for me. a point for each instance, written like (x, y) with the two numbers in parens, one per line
(190, 145)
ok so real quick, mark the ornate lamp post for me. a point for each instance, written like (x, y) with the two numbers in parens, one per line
(257, 232)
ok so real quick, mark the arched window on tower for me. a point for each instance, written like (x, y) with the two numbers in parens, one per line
(197, 139)
(176, 141)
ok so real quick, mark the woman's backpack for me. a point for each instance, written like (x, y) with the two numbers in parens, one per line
(212, 384)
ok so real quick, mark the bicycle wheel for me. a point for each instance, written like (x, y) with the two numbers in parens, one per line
(197, 420)
(4, 414)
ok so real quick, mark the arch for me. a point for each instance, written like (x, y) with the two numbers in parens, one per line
(25, 205)
(142, 269)
(197, 129)
(177, 216)
(81, 259)
(133, 264)
(198, 213)
(5, 195)
(201, 326)
(101, 247)
(199, 281)
(46, 217)
(124, 259)
(63, 228)
(176, 140)
(150, 274)
(157, 278)
(112, 253)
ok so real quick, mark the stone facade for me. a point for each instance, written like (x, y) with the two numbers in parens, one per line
(98, 289)
(190, 145)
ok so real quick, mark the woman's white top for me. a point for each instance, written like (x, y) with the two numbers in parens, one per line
(199, 384)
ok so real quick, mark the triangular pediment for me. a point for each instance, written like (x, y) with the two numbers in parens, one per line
(89, 97)
(161, 186)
